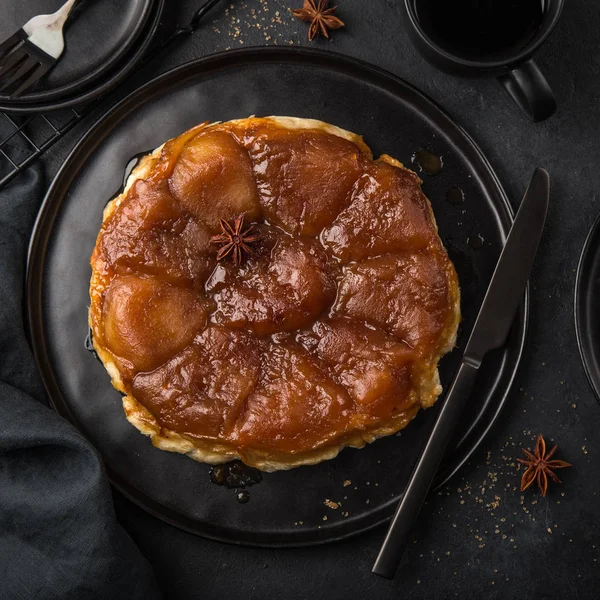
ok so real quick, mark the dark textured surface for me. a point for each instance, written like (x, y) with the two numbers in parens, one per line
(479, 537)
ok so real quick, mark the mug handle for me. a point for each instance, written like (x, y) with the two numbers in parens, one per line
(528, 87)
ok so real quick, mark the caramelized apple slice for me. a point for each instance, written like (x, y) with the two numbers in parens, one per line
(388, 212)
(295, 405)
(171, 151)
(148, 233)
(146, 321)
(212, 179)
(279, 290)
(304, 178)
(407, 294)
(201, 391)
(373, 366)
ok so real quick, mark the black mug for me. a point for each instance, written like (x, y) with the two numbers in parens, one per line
(495, 38)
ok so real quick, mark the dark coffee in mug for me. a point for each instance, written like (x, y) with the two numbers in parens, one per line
(480, 29)
(489, 38)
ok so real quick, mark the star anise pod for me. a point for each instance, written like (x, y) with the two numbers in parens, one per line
(320, 17)
(235, 240)
(540, 467)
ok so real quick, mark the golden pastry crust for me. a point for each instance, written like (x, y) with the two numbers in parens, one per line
(119, 281)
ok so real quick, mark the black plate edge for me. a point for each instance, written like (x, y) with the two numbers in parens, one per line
(125, 68)
(89, 78)
(582, 330)
(47, 214)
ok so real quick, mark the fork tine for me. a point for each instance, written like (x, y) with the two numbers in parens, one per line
(23, 68)
(11, 61)
(37, 74)
(10, 43)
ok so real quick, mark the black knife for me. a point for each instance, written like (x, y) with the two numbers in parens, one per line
(491, 329)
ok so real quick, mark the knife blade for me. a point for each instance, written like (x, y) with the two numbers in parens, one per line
(490, 331)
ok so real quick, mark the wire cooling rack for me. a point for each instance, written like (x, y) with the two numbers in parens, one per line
(24, 138)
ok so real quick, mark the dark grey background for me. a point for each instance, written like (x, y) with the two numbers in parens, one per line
(479, 536)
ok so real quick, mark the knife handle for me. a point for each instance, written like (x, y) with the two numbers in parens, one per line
(420, 481)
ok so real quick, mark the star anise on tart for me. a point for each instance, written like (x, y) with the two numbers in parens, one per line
(540, 467)
(235, 240)
(320, 17)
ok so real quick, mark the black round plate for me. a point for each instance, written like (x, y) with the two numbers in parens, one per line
(287, 508)
(587, 311)
(104, 41)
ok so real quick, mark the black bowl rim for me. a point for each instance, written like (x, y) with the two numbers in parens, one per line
(582, 281)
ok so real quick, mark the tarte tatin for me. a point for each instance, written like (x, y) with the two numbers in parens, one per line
(264, 290)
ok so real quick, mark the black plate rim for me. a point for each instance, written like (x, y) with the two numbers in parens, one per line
(86, 80)
(582, 281)
(76, 159)
(123, 69)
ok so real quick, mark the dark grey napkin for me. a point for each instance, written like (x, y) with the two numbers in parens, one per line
(58, 534)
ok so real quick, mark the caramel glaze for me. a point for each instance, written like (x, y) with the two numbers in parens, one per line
(333, 328)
